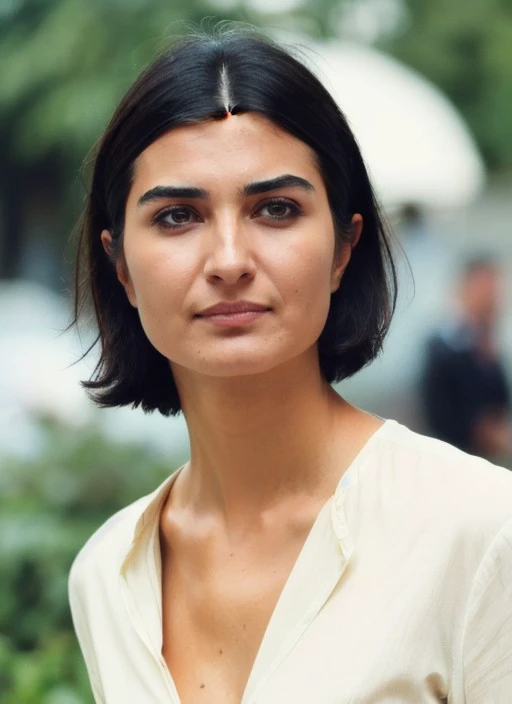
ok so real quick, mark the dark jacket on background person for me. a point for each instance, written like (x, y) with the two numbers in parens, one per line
(459, 385)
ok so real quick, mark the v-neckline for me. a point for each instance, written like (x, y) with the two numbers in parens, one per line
(300, 599)
(326, 552)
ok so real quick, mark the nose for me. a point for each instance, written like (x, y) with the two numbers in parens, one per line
(229, 258)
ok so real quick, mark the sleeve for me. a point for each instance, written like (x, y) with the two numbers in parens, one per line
(487, 656)
(82, 630)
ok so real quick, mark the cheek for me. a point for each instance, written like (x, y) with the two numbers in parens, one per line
(158, 273)
(309, 276)
(306, 293)
(159, 282)
(316, 295)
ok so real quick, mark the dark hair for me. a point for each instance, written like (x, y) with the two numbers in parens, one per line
(184, 85)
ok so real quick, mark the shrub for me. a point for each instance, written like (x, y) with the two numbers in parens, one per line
(49, 506)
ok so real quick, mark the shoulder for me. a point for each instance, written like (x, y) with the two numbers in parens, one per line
(442, 482)
(102, 556)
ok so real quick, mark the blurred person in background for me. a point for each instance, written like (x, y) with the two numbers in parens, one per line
(308, 551)
(464, 387)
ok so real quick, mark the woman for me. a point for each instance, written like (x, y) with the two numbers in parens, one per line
(308, 551)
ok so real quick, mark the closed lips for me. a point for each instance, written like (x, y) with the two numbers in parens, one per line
(233, 309)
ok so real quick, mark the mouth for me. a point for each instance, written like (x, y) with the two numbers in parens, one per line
(233, 313)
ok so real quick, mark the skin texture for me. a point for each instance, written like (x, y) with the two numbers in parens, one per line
(269, 438)
(230, 250)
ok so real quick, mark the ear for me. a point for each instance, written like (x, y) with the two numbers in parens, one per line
(343, 256)
(122, 273)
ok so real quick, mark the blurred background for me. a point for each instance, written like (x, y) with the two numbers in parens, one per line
(427, 88)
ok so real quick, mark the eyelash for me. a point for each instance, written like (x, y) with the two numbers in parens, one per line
(159, 218)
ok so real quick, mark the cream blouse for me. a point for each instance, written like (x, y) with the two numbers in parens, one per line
(402, 592)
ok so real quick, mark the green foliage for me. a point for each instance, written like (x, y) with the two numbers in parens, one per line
(66, 63)
(466, 49)
(49, 506)
(69, 61)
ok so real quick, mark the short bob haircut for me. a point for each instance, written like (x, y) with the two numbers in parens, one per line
(191, 82)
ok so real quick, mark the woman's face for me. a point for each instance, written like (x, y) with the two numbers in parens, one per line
(229, 249)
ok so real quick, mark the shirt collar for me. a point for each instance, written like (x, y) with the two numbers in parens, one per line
(150, 514)
(140, 573)
(326, 552)
(155, 505)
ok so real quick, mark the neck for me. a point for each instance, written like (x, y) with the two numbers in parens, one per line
(258, 439)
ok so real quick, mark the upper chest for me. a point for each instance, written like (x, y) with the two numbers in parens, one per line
(323, 625)
(217, 603)
(335, 639)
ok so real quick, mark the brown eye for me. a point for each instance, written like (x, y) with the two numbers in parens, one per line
(175, 217)
(279, 209)
(180, 217)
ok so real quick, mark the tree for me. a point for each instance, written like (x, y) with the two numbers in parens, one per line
(465, 47)
(68, 63)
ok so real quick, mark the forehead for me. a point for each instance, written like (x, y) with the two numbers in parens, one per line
(242, 147)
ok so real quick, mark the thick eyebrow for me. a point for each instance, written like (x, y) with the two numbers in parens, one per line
(272, 184)
(159, 192)
(251, 189)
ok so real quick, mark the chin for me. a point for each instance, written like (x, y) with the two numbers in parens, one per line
(244, 356)
(231, 366)
(225, 362)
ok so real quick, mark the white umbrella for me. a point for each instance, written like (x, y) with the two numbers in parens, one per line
(415, 144)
